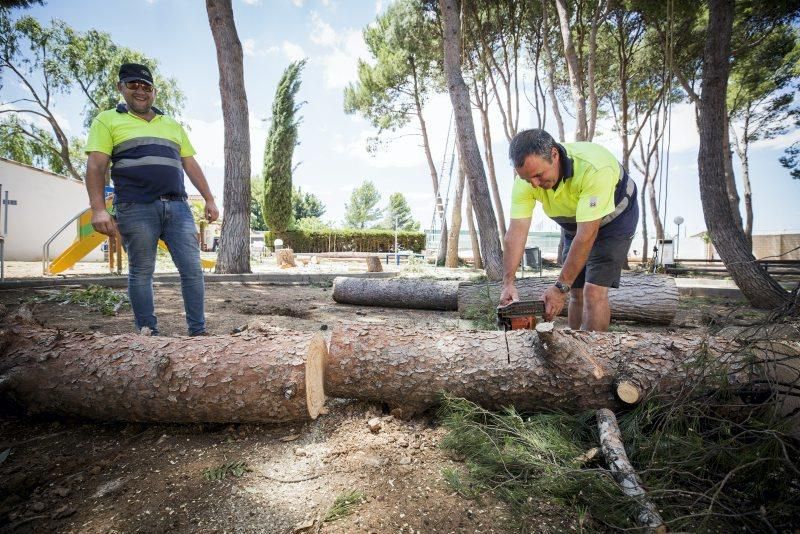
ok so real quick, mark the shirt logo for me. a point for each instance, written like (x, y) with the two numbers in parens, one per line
(592, 202)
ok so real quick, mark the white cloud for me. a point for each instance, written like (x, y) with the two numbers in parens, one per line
(298, 3)
(341, 65)
(252, 2)
(326, 3)
(378, 7)
(293, 52)
(322, 33)
(249, 47)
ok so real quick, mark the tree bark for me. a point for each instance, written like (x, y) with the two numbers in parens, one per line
(407, 293)
(757, 286)
(455, 223)
(467, 142)
(550, 66)
(234, 251)
(559, 370)
(260, 375)
(743, 153)
(477, 263)
(624, 473)
(640, 297)
(487, 147)
(574, 69)
(441, 255)
(730, 177)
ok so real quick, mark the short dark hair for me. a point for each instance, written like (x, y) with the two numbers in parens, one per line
(533, 142)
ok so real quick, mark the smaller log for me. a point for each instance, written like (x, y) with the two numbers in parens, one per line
(285, 258)
(401, 293)
(374, 264)
(624, 473)
(628, 391)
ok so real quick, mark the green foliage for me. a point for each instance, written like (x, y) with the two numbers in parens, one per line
(235, 468)
(362, 208)
(56, 60)
(404, 44)
(256, 197)
(97, 298)
(276, 204)
(792, 160)
(330, 240)
(710, 463)
(399, 211)
(311, 224)
(344, 505)
(305, 205)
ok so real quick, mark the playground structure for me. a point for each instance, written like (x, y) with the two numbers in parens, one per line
(86, 241)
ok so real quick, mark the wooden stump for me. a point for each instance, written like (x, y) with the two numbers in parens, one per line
(285, 258)
(374, 264)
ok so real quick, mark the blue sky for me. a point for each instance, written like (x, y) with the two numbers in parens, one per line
(332, 153)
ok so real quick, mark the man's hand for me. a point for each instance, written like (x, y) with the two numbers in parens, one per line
(103, 222)
(554, 301)
(212, 212)
(508, 295)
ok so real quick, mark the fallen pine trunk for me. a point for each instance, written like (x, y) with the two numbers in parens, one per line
(556, 370)
(396, 293)
(255, 376)
(641, 297)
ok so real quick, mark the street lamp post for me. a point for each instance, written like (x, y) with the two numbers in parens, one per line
(679, 221)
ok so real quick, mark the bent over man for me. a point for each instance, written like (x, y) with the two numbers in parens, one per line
(583, 188)
(149, 153)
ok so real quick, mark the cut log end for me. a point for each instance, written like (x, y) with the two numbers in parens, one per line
(315, 375)
(627, 391)
(285, 258)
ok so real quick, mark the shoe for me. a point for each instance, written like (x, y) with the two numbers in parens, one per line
(198, 334)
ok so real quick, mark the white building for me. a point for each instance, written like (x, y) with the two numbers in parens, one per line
(44, 203)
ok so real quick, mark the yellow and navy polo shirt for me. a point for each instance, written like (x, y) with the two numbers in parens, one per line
(593, 185)
(145, 156)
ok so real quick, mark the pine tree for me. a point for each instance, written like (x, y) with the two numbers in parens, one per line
(276, 204)
(400, 211)
(361, 209)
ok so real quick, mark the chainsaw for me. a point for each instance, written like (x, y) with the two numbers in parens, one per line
(518, 315)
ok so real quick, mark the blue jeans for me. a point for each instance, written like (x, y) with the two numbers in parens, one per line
(141, 226)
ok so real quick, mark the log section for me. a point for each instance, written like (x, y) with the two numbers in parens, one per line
(402, 293)
(560, 369)
(641, 297)
(255, 376)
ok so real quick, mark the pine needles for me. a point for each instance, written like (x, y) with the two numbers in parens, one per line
(234, 468)
(97, 298)
(709, 464)
(344, 505)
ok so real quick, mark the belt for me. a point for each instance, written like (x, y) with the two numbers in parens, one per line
(172, 197)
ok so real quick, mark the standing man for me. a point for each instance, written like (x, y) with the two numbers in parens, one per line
(149, 153)
(587, 192)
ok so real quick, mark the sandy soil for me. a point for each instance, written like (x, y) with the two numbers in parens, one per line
(78, 476)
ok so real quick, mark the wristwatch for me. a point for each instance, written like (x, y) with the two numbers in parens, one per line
(564, 288)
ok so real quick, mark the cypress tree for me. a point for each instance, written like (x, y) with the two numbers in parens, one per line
(276, 204)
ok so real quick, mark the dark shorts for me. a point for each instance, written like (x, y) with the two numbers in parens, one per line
(604, 266)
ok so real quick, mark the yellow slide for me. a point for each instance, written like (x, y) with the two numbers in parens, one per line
(88, 240)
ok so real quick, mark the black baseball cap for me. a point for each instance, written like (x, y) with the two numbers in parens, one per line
(132, 72)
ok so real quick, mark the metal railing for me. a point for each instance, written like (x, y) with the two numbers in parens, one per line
(46, 246)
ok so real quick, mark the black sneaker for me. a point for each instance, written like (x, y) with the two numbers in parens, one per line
(198, 334)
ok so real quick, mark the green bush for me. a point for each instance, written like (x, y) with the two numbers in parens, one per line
(347, 240)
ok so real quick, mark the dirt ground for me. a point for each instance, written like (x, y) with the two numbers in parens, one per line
(78, 476)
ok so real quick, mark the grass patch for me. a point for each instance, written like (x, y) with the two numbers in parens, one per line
(707, 468)
(343, 505)
(235, 468)
(97, 298)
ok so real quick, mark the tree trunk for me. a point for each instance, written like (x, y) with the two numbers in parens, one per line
(640, 297)
(742, 151)
(575, 81)
(455, 223)
(477, 263)
(728, 238)
(410, 293)
(643, 212)
(565, 370)
(467, 142)
(234, 251)
(441, 256)
(730, 177)
(487, 146)
(550, 66)
(266, 375)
